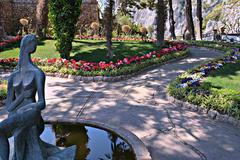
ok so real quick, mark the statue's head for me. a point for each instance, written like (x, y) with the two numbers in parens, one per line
(29, 44)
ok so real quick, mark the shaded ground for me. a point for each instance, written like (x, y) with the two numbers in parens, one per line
(140, 105)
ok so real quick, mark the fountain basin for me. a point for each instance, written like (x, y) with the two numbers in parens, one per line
(94, 140)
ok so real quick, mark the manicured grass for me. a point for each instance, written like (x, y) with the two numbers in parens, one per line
(227, 77)
(88, 50)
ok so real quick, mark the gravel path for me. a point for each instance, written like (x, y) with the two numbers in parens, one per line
(140, 105)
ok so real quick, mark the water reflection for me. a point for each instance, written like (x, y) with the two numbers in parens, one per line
(92, 143)
(69, 135)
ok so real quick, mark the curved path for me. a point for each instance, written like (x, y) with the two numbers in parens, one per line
(140, 105)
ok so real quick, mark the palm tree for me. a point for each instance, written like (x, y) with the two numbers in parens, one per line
(160, 20)
(199, 19)
(41, 17)
(108, 18)
(189, 26)
(171, 20)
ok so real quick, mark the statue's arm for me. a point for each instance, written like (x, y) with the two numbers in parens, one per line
(12, 102)
(40, 81)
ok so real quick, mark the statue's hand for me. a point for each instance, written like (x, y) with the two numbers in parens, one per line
(15, 103)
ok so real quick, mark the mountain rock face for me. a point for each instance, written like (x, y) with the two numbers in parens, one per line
(216, 14)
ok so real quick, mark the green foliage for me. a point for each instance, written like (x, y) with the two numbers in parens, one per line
(127, 69)
(123, 20)
(215, 14)
(219, 91)
(3, 90)
(224, 46)
(91, 50)
(64, 15)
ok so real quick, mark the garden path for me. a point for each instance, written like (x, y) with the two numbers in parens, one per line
(140, 105)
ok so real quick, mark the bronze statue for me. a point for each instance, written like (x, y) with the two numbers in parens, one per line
(24, 121)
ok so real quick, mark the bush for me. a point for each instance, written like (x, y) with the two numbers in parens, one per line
(150, 30)
(95, 26)
(3, 90)
(143, 30)
(126, 29)
(64, 16)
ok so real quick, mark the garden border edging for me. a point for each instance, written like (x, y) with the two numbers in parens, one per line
(213, 114)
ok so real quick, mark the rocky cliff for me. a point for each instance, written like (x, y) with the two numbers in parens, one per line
(216, 14)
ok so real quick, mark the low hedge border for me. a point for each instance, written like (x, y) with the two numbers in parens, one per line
(213, 114)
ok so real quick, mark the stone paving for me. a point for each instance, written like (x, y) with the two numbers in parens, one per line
(140, 105)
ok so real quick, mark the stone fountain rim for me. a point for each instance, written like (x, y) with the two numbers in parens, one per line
(139, 149)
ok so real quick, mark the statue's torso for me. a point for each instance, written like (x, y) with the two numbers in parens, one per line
(24, 83)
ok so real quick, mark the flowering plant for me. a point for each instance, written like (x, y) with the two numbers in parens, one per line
(117, 38)
(85, 66)
(10, 41)
(194, 77)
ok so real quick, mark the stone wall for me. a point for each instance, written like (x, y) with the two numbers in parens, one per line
(89, 14)
(23, 9)
(12, 11)
(6, 15)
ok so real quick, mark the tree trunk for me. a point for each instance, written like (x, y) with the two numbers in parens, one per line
(108, 16)
(41, 17)
(199, 19)
(161, 19)
(171, 20)
(189, 20)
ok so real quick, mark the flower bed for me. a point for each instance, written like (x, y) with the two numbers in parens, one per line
(121, 39)
(192, 87)
(10, 42)
(121, 67)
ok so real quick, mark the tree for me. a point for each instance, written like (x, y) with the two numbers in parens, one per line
(171, 20)
(160, 20)
(64, 16)
(199, 19)
(126, 7)
(108, 18)
(189, 26)
(41, 17)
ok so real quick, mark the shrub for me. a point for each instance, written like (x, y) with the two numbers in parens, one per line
(3, 90)
(150, 30)
(126, 29)
(143, 30)
(94, 26)
(64, 16)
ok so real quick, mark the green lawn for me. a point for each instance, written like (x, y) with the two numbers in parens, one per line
(89, 50)
(226, 78)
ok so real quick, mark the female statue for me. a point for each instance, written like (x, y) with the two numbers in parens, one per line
(24, 121)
